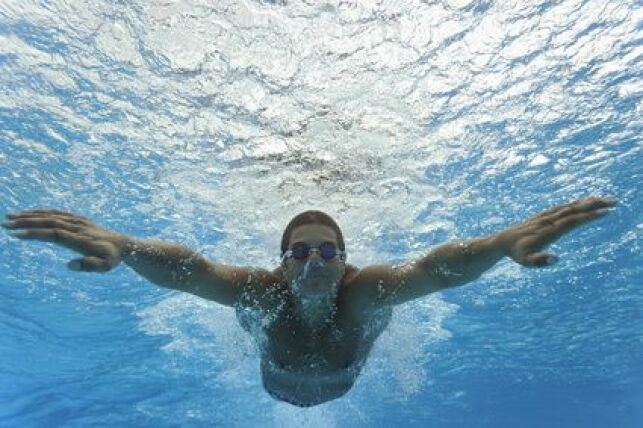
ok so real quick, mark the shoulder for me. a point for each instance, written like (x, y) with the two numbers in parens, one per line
(262, 288)
(358, 279)
(350, 272)
(361, 288)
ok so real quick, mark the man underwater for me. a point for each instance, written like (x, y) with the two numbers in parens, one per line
(317, 317)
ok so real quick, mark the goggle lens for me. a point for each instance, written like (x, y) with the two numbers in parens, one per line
(301, 251)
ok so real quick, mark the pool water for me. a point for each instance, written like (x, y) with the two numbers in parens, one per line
(211, 124)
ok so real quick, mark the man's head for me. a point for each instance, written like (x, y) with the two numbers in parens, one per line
(307, 244)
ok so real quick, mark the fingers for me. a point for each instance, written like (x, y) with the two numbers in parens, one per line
(584, 206)
(548, 231)
(51, 226)
(39, 222)
(40, 211)
(69, 217)
(578, 206)
(90, 264)
(572, 221)
(550, 225)
(62, 237)
(558, 220)
(552, 210)
(67, 230)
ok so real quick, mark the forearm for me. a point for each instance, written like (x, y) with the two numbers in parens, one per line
(458, 263)
(167, 265)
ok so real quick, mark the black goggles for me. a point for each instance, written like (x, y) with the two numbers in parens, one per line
(301, 251)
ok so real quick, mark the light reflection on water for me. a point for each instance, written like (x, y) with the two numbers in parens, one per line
(213, 123)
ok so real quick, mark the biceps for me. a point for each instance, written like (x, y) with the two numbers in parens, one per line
(409, 281)
(385, 285)
(220, 283)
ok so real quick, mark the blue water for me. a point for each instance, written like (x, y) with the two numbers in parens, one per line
(210, 124)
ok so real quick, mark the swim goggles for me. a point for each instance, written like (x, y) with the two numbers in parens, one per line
(301, 251)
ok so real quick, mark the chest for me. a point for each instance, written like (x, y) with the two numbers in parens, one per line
(341, 344)
(285, 341)
(291, 345)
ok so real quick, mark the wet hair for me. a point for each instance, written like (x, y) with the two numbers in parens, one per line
(311, 217)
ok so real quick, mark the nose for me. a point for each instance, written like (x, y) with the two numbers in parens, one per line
(314, 259)
(315, 256)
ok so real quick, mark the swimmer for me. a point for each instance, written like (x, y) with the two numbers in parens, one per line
(317, 315)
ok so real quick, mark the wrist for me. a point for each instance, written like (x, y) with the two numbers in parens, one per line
(498, 243)
(126, 245)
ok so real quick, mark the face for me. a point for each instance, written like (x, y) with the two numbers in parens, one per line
(313, 276)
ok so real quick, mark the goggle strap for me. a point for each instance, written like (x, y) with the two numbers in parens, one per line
(338, 253)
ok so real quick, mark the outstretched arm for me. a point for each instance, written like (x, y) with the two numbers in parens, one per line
(458, 263)
(167, 265)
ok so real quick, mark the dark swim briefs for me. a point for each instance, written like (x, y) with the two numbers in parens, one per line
(289, 400)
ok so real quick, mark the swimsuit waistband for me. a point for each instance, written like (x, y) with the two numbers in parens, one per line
(344, 374)
(304, 389)
(289, 400)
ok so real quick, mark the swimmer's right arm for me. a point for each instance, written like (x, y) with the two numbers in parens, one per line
(167, 265)
(180, 268)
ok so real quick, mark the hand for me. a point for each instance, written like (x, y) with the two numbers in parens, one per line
(102, 248)
(524, 243)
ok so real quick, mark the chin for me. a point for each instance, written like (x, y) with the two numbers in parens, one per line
(317, 286)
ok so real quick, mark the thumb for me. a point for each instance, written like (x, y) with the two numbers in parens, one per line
(90, 264)
(539, 259)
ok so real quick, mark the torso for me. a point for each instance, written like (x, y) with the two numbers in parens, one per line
(305, 367)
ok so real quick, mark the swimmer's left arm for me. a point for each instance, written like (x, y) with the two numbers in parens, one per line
(447, 266)
(455, 264)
